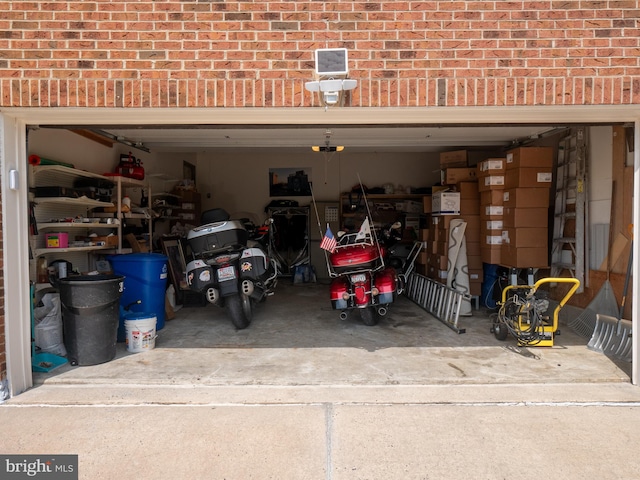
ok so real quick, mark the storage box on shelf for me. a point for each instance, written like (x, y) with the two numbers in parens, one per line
(189, 208)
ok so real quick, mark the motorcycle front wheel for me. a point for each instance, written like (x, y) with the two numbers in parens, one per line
(369, 316)
(240, 310)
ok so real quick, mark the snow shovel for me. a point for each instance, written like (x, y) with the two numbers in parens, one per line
(612, 336)
(605, 303)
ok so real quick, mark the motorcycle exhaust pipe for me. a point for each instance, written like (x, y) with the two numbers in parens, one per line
(382, 311)
(212, 295)
(247, 287)
(343, 315)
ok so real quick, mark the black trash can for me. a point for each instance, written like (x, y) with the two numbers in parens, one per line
(90, 315)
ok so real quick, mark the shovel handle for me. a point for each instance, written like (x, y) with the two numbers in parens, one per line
(626, 283)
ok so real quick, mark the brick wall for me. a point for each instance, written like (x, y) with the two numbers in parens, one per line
(107, 53)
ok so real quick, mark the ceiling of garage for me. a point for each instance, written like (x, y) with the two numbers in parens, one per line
(397, 138)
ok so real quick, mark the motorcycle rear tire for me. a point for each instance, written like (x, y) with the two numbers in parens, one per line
(240, 310)
(369, 316)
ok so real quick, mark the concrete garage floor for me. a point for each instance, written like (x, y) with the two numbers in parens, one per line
(296, 339)
(303, 395)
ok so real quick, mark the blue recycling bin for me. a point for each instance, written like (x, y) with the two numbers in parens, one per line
(145, 279)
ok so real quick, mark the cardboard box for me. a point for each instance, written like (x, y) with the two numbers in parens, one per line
(475, 288)
(528, 177)
(493, 226)
(492, 197)
(443, 222)
(469, 206)
(412, 221)
(423, 258)
(491, 238)
(491, 254)
(526, 237)
(434, 231)
(491, 182)
(427, 204)
(476, 275)
(526, 217)
(187, 195)
(492, 212)
(530, 157)
(437, 274)
(524, 257)
(473, 248)
(108, 240)
(492, 166)
(473, 222)
(446, 203)
(474, 262)
(456, 158)
(439, 262)
(525, 197)
(468, 190)
(452, 176)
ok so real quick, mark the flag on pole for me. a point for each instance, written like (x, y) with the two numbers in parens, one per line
(365, 230)
(329, 242)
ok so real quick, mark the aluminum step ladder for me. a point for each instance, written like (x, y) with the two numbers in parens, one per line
(568, 251)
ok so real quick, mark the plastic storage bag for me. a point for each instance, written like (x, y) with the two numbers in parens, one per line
(48, 325)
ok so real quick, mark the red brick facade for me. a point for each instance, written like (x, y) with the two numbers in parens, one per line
(260, 53)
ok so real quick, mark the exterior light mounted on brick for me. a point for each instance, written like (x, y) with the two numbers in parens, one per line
(332, 67)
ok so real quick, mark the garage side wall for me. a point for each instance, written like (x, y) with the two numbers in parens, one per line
(258, 54)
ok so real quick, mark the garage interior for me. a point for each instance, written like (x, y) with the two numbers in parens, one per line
(296, 338)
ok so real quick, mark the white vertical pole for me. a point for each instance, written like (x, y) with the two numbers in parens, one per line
(15, 228)
(635, 296)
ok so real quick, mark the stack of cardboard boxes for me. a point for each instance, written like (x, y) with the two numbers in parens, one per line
(491, 183)
(525, 234)
(505, 202)
(456, 198)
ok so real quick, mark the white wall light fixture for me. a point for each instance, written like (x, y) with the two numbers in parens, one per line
(332, 67)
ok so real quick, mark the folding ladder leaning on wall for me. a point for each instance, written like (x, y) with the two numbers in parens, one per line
(568, 251)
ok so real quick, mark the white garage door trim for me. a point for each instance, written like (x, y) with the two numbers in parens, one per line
(13, 122)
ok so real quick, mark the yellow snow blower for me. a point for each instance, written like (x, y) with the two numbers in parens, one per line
(523, 313)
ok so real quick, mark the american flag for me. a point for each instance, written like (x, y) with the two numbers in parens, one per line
(329, 242)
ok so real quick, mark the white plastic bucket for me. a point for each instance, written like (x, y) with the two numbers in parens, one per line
(141, 333)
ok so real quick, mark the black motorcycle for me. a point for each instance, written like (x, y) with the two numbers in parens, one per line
(230, 264)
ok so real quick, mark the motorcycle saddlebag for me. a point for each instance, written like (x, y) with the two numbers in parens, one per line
(253, 263)
(199, 275)
(218, 236)
(338, 287)
(354, 257)
(385, 281)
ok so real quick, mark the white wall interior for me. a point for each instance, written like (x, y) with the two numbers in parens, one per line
(238, 180)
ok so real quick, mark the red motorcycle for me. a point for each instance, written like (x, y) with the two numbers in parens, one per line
(363, 277)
